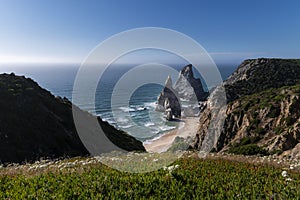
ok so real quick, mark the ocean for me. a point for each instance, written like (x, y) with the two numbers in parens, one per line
(143, 122)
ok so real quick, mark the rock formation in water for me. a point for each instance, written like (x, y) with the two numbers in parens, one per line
(168, 110)
(35, 124)
(168, 101)
(188, 87)
(263, 112)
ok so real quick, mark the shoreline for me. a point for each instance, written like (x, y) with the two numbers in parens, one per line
(164, 142)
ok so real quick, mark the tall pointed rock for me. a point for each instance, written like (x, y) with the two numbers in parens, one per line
(169, 97)
(188, 87)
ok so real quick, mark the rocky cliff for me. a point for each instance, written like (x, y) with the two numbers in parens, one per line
(168, 101)
(186, 88)
(35, 124)
(256, 75)
(263, 114)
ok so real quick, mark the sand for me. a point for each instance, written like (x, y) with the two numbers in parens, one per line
(163, 143)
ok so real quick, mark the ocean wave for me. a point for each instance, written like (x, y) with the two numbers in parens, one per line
(141, 108)
(125, 126)
(122, 120)
(147, 124)
(110, 121)
(166, 128)
(150, 104)
(149, 141)
(127, 109)
(158, 136)
(133, 109)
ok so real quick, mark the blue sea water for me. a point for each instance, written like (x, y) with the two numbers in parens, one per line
(143, 122)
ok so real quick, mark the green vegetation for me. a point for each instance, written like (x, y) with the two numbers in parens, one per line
(193, 179)
(249, 149)
(179, 144)
(247, 146)
(268, 101)
(278, 130)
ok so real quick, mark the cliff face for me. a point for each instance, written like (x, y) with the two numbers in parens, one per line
(262, 116)
(256, 75)
(189, 87)
(35, 124)
(168, 101)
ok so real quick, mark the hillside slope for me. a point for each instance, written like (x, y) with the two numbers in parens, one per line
(256, 75)
(263, 114)
(35, 124)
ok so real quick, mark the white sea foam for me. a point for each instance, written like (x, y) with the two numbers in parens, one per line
(122, 120)
(127, 109)
(110, 121)
(160, 131)
(140, 108)
(126, 126)
(147, 124)
(152, 140)
(166, 128)
(150, 105)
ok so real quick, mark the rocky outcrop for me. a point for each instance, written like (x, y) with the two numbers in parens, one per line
(263, 110)
(188, 87)
(168, 110)
(256, 75)
(270, 119)
(35, 124)
(168, 101)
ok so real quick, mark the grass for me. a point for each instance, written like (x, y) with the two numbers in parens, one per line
(193, 179)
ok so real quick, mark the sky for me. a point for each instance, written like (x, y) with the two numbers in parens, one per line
(61, 31)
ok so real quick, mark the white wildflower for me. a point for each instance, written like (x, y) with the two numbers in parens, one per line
(43, 166)
(155, 160)
(69, 164)
(92, 162)
(171, 168)
(288, 179)
(284, 174)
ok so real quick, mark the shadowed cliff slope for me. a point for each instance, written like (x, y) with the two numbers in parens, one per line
(35, 124)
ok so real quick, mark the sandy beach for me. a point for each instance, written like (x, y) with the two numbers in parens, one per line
(164, 142)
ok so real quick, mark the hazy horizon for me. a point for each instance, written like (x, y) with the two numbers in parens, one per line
(65, 32)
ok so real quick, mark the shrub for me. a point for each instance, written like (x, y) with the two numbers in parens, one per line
(290, 121)
(249, 149)
(274, 112)
(278, 130)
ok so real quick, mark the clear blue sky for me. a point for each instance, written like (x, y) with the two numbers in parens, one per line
(60, 30)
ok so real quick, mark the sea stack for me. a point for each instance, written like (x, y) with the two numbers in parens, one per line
(168, 101)
(188, 87)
